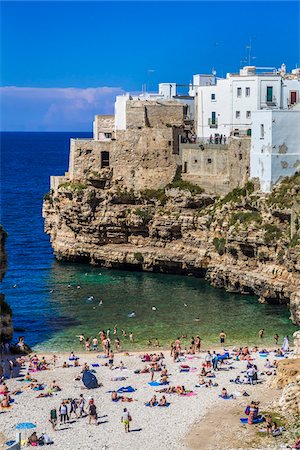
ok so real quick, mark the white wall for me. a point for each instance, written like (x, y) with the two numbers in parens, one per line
(168, 90)
(120, 112)
(276, 154)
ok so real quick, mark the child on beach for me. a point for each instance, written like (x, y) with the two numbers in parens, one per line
(125, 419)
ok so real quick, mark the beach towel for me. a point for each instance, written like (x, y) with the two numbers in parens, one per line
(229, 397)
(118, 379)
(156, 404)
(95, 365)
(89, 380)
(157, 383)
(126, 389)
(184, 370)
(189, 394)
(258, 420)
(224, 356)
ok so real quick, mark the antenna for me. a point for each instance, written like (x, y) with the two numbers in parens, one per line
(249, 57)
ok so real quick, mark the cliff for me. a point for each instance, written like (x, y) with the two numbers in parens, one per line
(244, 242)
(6, 328)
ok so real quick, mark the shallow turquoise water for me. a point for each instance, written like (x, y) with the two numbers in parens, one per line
(125, 292)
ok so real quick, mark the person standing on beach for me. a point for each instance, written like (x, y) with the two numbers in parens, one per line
(63, 412)
(261, 333)
(125, 419)
(53, 418)
(276, 337)
(95, 344)
(87, 344)
(131, 337)
(111, 360)
(11, 368)
(198, 343)
(92, 412)
(222, 337)
(81, 405)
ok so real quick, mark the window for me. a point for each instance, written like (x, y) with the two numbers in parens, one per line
(269, 94)
(247, 92)
(239, 92)
(213, 96)
(104, 159)
(262, 131)
(195, 161)
(170, 142)
(108, 135)
(248, 114)
(209, 160)
(213, 118)
(185, 167)
(237, 114)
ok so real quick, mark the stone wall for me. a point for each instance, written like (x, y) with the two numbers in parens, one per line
(154, 114)
(103, 124)
(217, 168)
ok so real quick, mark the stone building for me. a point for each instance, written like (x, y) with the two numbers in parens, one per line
(218, 168)
(136, 148)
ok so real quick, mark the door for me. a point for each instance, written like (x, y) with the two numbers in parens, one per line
(213, 118)
(293, 97)
(269, 94)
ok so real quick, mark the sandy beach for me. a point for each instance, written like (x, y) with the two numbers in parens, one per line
(159, 427)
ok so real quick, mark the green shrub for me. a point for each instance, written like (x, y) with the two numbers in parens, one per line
(145, 214)
(219, 244)
(272, 233)
(280, 195)
(295, 240)
(246, 217)
(154, 194)
(73, 186)
(139, 257)
(237, 194)
(185, 186)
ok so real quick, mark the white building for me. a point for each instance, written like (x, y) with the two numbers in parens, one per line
(225, 105)
(275, 145)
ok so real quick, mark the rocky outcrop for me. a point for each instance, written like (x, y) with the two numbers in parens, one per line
(288, 378)
(6, 328)
(241, 242)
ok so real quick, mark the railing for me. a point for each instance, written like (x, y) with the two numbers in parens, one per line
(213, 123)
(271, 101)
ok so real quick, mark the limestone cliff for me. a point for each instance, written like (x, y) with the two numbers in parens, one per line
(6, 329)
(241, 242)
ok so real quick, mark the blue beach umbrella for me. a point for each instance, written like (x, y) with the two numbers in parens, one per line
(25, 426)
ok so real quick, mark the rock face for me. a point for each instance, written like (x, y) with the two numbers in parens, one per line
(241, 242)
(288, 378)
(6, 328)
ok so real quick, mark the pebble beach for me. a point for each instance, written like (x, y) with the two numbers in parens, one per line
(157, 427)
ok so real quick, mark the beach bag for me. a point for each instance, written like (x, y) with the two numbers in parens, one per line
(247, 410)
(129, 418)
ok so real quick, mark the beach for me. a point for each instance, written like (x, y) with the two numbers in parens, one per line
(173, 427)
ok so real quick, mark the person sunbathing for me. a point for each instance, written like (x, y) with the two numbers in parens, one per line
(33, 439)
(203, 372)
(47, 394)
(3, 389)
(201, 381)
(65, 365)
(153, 401)
(180, 390)
(145, 369)
(224, 393)
(115, 396)
(163, 379)
(163, 401)
(5, 402)
(54, 386)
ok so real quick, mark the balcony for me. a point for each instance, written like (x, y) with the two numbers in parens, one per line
(213, 123)
(271, 101)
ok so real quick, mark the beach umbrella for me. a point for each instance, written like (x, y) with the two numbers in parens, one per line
(25, 426)
(89, 380)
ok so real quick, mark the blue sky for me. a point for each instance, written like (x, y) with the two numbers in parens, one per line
(112, 47)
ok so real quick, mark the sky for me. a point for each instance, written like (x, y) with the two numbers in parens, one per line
(63, 62)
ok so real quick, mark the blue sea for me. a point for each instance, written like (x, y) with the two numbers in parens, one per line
(50, 314)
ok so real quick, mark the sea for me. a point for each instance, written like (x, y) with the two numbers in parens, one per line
(51, 312)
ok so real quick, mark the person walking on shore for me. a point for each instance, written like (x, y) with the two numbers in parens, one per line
(63, 412)
(261, 333)
(276, 337)
(81, 405)
(198, 343)
(126, 419)
(222, 337)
